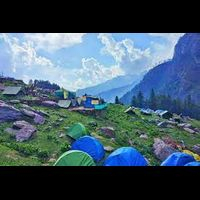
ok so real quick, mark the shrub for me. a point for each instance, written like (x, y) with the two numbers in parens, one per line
(64, 147)
(43, 154)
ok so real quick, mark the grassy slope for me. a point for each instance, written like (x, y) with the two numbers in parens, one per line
(127, 128)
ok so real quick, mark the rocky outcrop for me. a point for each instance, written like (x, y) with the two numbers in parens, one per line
(9, 113)
(25, 131)
(161, 149)
(38, 119)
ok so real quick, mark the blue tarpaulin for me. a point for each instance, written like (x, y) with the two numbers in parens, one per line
(125, 156)
(178, 159)
(193, 164)
(91, 146)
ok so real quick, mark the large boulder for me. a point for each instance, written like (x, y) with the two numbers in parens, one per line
(9, 113)
(108, 131)
(26, 131)
(28, 113)
(38, 119)
(161, 149)
(20, 124)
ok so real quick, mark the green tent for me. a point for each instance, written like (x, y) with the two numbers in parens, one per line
(76, 131)
(100, 106)
(59, 93)
(75, 158)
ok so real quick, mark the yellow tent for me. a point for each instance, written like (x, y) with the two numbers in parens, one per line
(196, 156)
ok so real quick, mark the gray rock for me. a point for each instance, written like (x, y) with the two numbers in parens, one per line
(189, 130)
(162, 124)
(188, 126)
(9, 113)
(28, 113)
(108, 148)
(61, 135)
(52, 160)
(39, 119)
(144, 136)
(181, 125)
(20, 124)
(108, 131)
(14, 101)
(26, 132)
(162, 150)
(196, 149)
(49, 103)
(172, 122)
(25, 106)
(60, 120)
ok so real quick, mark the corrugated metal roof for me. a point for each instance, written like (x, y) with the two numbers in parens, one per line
(12, 90)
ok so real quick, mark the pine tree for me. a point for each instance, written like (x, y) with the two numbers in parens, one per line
(153, 100)
(117, 100)
(140, 99)
(134, 101)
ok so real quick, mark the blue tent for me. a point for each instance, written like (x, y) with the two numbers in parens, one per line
(178, 159)
(125, 156)
(91, 146)
(193, 164)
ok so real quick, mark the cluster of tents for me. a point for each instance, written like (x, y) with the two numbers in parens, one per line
(88, 151)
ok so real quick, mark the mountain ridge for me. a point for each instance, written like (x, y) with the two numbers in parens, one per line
(177, 77)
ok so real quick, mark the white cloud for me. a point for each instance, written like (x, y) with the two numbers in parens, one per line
(93, 73)
(164, 51)
(27, 64)
(54, 41)
(170, 37)
(135, 60)
(126, 55)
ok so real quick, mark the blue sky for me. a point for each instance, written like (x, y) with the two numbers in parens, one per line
(79, 60)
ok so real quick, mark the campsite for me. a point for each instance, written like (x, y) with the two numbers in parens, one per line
(58, 127)
(100, 116)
